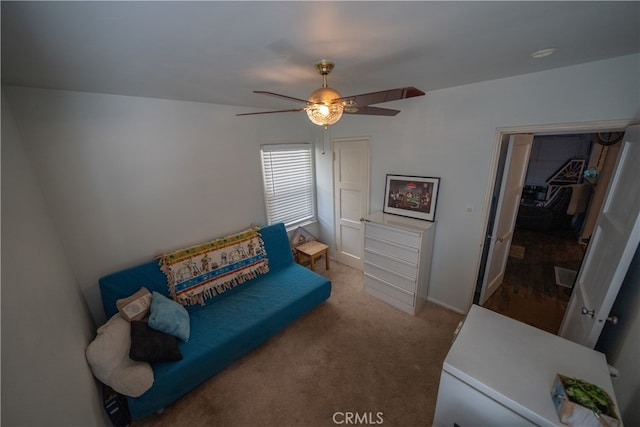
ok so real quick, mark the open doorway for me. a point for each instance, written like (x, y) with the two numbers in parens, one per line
(558, 207)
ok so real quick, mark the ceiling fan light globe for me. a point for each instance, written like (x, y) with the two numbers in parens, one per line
(322, 111)
(324, 115)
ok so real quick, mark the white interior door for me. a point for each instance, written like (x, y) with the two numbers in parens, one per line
(508, 203)
(613, 243)
(351, 199)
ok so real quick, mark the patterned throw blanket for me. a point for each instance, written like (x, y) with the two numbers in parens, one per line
(206, 270)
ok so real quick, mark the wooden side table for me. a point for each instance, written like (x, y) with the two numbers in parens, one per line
(313, 250)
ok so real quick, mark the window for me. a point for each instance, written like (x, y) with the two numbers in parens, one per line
(289, 193)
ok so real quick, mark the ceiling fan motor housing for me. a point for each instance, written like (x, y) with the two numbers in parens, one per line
(325, 67)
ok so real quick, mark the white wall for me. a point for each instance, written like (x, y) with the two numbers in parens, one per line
(46, 325)
(127, 178)
(451, 134)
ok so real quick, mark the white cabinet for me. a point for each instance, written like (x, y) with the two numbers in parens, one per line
(397, 260)
(500, 372)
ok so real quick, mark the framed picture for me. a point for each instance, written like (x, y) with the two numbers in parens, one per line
(300, 236)
(411, 196)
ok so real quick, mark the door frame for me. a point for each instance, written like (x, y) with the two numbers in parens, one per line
(495, 175)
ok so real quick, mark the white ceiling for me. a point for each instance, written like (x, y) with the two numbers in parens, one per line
(220, 51)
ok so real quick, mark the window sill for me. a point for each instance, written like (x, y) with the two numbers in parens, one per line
(302, 224)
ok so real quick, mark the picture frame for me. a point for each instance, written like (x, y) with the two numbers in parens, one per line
(411, 196)
(301, 236)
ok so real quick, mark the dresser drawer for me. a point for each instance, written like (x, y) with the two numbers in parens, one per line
(396, 265)
(389, 290)
(401, 237)
(398, 280)
(392, 249)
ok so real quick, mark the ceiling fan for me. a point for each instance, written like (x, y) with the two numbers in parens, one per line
(325, 105)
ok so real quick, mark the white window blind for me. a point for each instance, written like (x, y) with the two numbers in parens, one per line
(289, 191)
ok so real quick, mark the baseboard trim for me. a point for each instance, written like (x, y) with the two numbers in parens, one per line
(450, 307)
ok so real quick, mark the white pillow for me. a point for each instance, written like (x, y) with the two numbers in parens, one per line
(108, 356)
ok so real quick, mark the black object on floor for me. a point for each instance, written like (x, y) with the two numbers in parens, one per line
(116, 406)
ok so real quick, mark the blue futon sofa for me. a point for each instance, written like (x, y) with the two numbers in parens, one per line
(229, 325)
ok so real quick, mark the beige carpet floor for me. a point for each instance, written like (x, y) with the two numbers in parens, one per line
(352, 354)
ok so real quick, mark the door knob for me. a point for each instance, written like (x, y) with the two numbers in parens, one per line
(586, 312)
(613, 320)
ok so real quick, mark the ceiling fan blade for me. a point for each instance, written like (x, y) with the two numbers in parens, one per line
(371, 111)
(277, 95)
(381, 96)
(295, 110)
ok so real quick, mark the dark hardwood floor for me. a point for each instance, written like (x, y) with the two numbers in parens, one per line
(529, 292)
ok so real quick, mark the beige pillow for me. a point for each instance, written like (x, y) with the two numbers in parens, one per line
(108, 356)
(136, 306)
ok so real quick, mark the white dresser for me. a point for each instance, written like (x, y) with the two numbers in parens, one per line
(500, 372)
(397, 260)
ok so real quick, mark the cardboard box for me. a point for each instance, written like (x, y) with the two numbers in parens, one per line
(574, 414)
